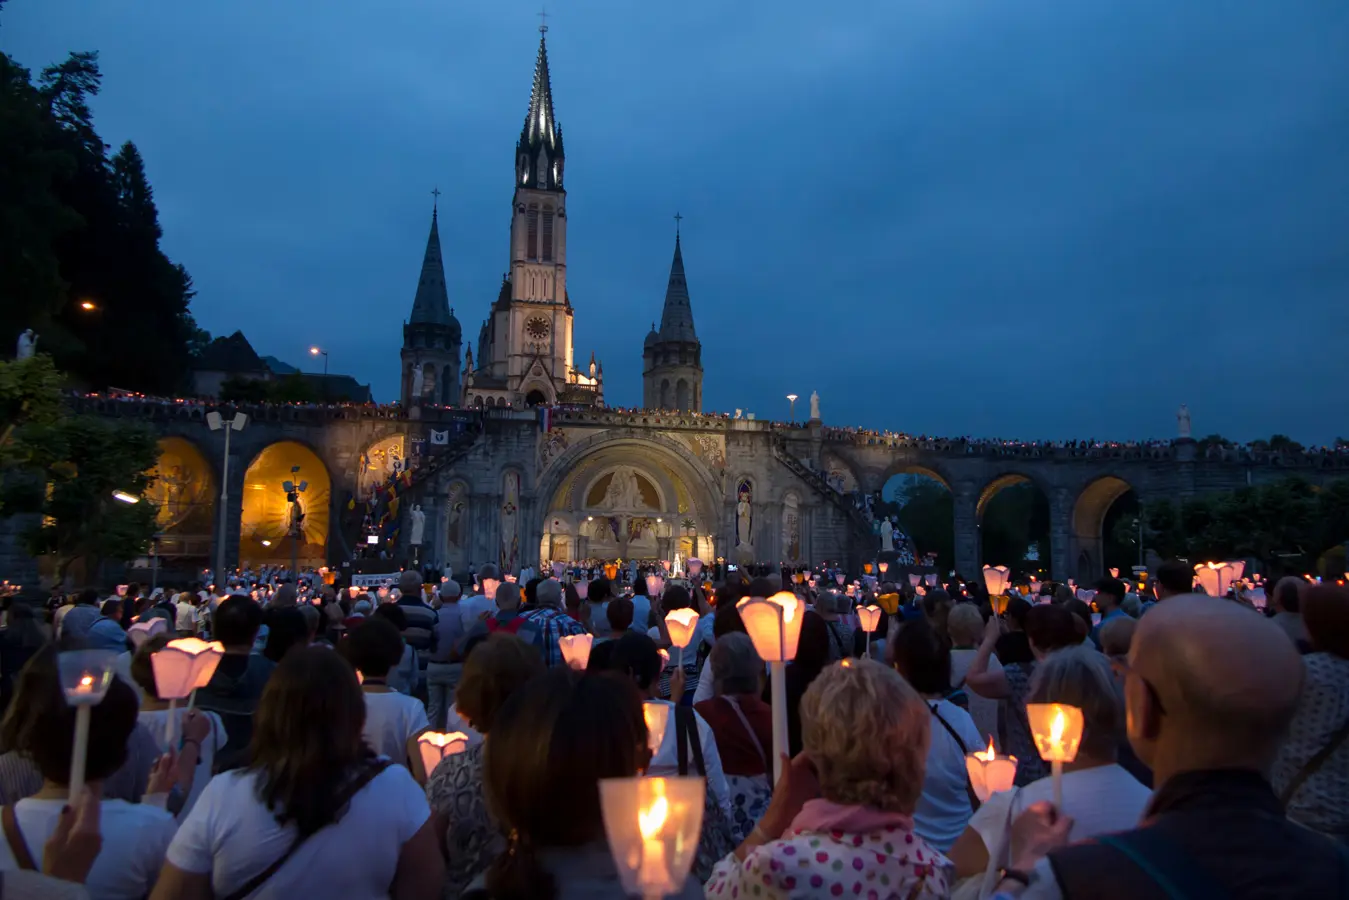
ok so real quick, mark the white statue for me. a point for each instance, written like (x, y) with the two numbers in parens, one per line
(814, 406)
(624, 492)
(417, 378)
(1183, 421)
(887, 536)
(418, 525)
(743, 516)
(27, 345)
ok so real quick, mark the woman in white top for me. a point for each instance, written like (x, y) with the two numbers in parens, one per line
(965, 625)
(392, 720)
(135, 835)
(944, 808)
(286, 826)
(1098, 795)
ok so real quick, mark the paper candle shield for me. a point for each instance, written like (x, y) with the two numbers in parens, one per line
(558, 569)
(915, 580)
(576, 650)
(866, 567)
(655, 585)
(999, 603)
(990, 773)
(996, 579)
(695, 567)
(582, 589)
(1057, 730)
(869, 617)
(141, 632)
(774, 624)
(435, 746)
(653, 825)
(610, 571)
(889, 603)
(183, 666)
(664, 656)
(657, 716)
(681, 624)
(86, 675)
(1214, 577)
(931, 579)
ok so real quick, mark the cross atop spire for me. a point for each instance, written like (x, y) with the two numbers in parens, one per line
(435, 202)
(677, 218)
(543, 21)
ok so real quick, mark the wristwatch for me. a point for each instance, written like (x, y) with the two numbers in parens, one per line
(1017, 876)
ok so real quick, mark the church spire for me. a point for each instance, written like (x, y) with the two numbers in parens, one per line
(538, 155)
(432, 303)
(676, 319)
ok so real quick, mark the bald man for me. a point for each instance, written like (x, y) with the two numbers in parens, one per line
(1209, 690)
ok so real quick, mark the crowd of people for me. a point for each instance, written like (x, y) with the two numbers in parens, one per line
(1213, 759)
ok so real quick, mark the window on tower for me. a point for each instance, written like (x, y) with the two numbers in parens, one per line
(532, 233)
(547, 253)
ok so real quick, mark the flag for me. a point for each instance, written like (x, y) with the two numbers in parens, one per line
(393, 507)
(351, 501)
(440, 438)
(406, 478)
(545, 418)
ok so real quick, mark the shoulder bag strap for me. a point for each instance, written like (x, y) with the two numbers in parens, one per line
(1313, 765)
(14, 837)
(758, 745)
(351, 790)
(969, 787)
(681, 715)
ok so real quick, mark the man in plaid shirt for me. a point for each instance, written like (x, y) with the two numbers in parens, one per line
(549, 622)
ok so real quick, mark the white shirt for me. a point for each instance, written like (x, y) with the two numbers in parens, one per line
(472, 608)
(983, 711)
(135, 836)
(157, 723)
(944, 806)
(666, 760)
(390, 719)
(233, 837)
(185, 617)
(1101, 800)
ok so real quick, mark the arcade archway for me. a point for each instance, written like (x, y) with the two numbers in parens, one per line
(184, 487)
(272, 527)
(1013, 518)
(631, 499)
(918, 501)
(1096, 505)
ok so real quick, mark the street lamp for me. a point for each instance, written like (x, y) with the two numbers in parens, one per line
(293, 492)
(791, 415)
(88, 306)
(124, 497)
(235, 423)
(315, 351)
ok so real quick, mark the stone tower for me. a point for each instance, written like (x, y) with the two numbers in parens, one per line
(431, 336)
(672, 370)
(525, 355)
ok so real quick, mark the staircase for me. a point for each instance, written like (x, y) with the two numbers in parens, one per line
(864, 542)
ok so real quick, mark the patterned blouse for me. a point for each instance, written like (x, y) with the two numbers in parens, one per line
(472, 837)
(892, 862)
(1019, 743)
(1322, 802)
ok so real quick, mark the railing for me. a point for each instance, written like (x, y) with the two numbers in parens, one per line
(821, 485)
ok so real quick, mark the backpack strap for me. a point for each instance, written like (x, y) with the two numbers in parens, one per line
(969, 787)
(14, 837)
(353, 788)
(1313, 765)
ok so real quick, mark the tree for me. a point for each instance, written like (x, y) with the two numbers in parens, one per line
(928, 516)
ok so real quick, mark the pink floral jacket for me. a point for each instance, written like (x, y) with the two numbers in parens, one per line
(888, 862)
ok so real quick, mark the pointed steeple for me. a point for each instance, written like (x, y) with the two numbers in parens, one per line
(676, 320)
(538, 155)
(432, 304)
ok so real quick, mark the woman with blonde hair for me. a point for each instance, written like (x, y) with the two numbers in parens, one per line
(841, 819)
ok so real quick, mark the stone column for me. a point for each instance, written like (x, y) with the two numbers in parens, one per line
(234, 515)
(1061, 551)
(968, 552)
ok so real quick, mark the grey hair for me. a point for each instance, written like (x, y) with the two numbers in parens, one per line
(965, 624)
(311, 617)
(1081, 676)
(1132, 605)
(549, 593)
(735, 664)
(508, 596)
(451, 590)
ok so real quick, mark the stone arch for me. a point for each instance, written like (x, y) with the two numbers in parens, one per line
(185, 488)
(1041, 540)
(1089, 510)
(933, 469)
(264, 535)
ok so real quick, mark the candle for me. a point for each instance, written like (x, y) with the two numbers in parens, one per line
(989, 772)
(657, 716)
(1057, 730)
(576, 650)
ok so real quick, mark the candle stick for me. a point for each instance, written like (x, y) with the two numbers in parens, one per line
(1057, 730)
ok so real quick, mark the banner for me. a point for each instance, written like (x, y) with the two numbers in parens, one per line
(440, 438)
(369, 581)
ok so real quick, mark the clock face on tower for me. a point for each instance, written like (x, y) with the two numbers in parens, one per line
(537, 328)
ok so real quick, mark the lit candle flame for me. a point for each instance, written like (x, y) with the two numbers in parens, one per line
(1057, 727)
(988, 755)
(87, 681)
(651, 821)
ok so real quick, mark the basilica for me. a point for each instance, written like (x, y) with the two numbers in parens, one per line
(525, 355)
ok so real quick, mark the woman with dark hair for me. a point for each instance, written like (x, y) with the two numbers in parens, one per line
(923, 657)
(812, 655)
(1014, 646)
(135, 835)
(1048, 628)
(286, 628)
(557, 737)
(312, 792)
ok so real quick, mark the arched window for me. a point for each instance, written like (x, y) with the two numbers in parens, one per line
(682, 395)
(547, 250)
(665, 394)
(532, 233)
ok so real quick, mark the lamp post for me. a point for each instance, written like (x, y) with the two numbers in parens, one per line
(791, 415)
(315, 351)
(236, 423)
(296, 519)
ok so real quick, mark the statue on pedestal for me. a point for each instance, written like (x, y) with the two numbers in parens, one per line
(417, 380)
(418, 529)
(1183, 422)
(814, 406)
(887, 536)
(27, 345)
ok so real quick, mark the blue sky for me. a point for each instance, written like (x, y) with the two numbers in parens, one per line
(1036, 218)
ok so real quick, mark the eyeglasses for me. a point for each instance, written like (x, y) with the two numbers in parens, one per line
(1124, 670)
